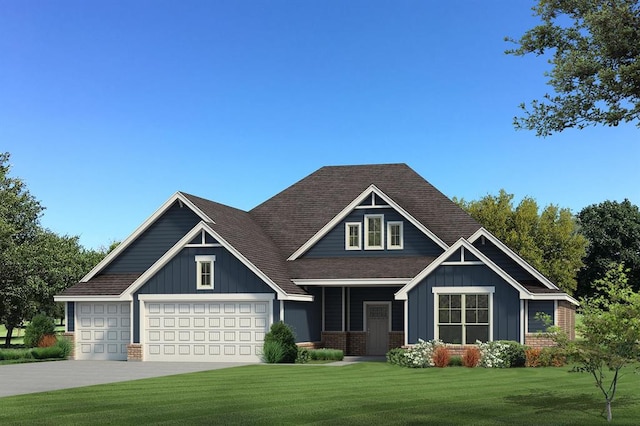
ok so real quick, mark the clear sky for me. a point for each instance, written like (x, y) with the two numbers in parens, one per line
(109, 107)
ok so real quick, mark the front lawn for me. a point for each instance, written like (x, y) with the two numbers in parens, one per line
(366, 393)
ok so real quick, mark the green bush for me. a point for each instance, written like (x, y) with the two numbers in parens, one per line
(11, 354)
(47, 353)
(398, 356)
(455, 361)
(326, 354)
(303, 356)
(65, 347)
(513, 354)
(272, 352)
(39, 326)
(282, 333)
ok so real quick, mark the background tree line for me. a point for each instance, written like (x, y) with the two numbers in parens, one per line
(35, 263)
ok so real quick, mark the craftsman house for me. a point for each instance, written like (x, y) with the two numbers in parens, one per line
(360, 258)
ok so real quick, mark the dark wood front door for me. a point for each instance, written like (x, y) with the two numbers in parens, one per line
(377, 329)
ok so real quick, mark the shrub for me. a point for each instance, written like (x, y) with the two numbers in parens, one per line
(39, 326)
(398, 356)
(441, 356)
(282, 333)
(501, 354)
(47, 353)
(10, 354)
(303, 356)
(47, 340)
(272, 352)
(545, 357)
(420, 355)
(471, 357)
(455, 361)
(65, 347)
(326, 354)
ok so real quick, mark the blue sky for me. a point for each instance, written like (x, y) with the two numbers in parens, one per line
(109, 107)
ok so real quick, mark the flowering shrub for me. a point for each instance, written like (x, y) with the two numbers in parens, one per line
(420, 355)
(501, 354)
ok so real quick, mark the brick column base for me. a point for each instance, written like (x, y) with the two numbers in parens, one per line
(134, 352)
(70, 336)
(335, 340)
(357, 343)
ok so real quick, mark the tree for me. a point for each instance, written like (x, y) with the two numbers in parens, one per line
(610, 331)
(613, 231)
(19, 224)
(595, 67)
(549, 240)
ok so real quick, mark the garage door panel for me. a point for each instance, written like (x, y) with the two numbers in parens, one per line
(212, 331)
(103, 330)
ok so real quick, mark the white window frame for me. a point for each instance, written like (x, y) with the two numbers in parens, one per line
(390, 245)
(367, 246)
(347, 227)
(200, 260)
(479, 290)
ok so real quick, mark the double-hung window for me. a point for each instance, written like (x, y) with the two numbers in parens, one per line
(204, 272)
(463, 317)
(373, 232)
(394, 236)
(353, 239)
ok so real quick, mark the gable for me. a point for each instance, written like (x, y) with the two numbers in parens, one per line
(151, 244)
(505, 262)
(414, 241)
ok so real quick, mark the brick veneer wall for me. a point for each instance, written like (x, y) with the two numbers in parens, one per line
(70, 336)
(134, 352)
(538, 341)
(356, 343)
(567, 318)
(335, 340)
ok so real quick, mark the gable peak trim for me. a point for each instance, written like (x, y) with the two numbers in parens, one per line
(353, 205)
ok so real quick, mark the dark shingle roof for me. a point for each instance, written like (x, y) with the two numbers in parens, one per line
(245, 235)
(294, 215)
(358, 267)
(103, 285)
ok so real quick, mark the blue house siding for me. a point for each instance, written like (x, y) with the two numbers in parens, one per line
(415, 242)
(179, 277)
(155, 241)
(359, 295)
(535, 306)
(305, 317)
(502, 260)
(506, 301)
(333, 309)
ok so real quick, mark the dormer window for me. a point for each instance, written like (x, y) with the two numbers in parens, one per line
(204, 272)
(374, 232)
(353, 237)
(394, 236)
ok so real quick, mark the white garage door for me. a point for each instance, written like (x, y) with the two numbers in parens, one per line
(102, 330)
(231, 331)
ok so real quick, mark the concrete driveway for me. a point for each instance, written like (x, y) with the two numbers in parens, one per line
(17, 379)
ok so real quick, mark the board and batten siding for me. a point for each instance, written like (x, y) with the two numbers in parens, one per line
(167, 230)
(506, 301)
(333, 309)
(502, 260)
(415, 243)
(178, 276)
(305, 318)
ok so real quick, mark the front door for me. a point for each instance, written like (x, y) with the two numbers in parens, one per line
(377, 329)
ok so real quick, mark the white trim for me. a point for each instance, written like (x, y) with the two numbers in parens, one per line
(406, 322)
(468, 263)
(240, 297)
(555, 312)
(200, 260)
(204, 245)
(347, 235)
(464, 290)
(389, 225)
(367, 245)
(472, 290)
(173, 251)
(526, 316)
(143, 329)
(343, 310)
(281, 305)
(482, 232)
(522, 320)
(372, 189)
(352, 282)
(178, 196)
(553, 296)
(366, 303)
(323, 307)
(377, 206)
(82, 299)
(348, 319)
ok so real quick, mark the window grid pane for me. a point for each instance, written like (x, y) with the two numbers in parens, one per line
(475, 325)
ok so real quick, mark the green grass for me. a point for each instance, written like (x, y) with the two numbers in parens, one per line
(359, 394)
